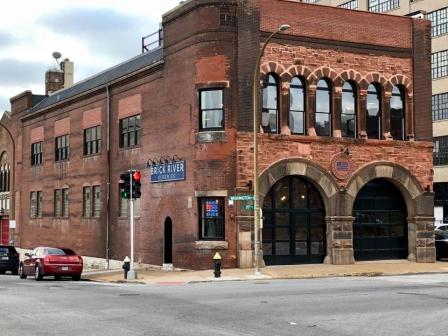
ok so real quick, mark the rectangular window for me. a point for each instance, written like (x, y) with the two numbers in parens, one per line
(211, 112)
(439, 64)
(61, 148)
(36, 204)
(57, 203)
(92, 140)
(130, 132)
(439, 20)
(36, 153)
(96, 201)
(440, 151)
(440, 106)
(65, 207)
(381, 6)
(86, 202)
(354, 4)
(211, 218)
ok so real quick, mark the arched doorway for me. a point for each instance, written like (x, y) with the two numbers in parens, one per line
(168, 241)
(294, 225)
(380, 228)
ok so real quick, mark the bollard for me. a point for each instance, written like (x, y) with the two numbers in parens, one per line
(126, 266)
(217, 260)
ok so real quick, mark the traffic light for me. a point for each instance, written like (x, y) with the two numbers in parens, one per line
(136, 184)
(125, 185)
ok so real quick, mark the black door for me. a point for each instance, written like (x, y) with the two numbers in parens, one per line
(168, 241)
(380, 227)
(294, 226)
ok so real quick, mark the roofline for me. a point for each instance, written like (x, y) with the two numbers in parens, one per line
(65, 101)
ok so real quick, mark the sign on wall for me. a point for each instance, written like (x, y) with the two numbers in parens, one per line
(167, 172)
(341, 166)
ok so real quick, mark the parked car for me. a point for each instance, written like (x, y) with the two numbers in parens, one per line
(9, 259)
(51, 261)
(441, 227)
(441, 238)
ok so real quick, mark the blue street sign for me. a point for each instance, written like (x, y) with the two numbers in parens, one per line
(167, 172)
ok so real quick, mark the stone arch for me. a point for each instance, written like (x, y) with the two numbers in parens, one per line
(298, 71)
(378, 78)
(320, 178)
(324, 72)
(407, 183)
(272, 67)
(403, 81)
(352, 76)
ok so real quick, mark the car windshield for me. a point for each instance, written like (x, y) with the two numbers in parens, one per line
(60, 251)
(441, 234)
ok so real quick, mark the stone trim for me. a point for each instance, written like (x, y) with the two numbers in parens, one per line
(210, 193)
(211, 136)
(211, 245)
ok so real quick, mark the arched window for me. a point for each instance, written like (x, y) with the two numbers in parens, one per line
(397, 113)
(373, 112)
(323, 109)
(348, 111)
(269, 115)
(297, 106)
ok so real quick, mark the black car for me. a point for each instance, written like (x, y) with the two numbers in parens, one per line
(441, 244)
(9, 260)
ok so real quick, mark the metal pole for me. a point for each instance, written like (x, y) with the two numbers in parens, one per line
(131, 274)
(255, 98)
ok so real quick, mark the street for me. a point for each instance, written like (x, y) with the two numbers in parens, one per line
(400, 305)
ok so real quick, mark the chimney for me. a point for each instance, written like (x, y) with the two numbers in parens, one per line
(57, 79)
(67, 67)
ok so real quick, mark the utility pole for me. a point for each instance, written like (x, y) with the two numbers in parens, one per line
(132, 274)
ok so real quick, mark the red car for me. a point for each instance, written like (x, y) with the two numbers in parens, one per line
(51, 261)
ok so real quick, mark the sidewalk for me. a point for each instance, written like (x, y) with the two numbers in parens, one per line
(370, 268)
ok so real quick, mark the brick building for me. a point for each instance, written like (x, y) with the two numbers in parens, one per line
(345, 174)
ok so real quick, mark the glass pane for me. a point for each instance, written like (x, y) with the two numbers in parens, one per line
(397, 231)
(296, 98)
(301, 233)
(317, 248)
(282, 219)
(323, 101)
(301, 248)
(267, 202)
(212, 119)
(323, 125)
(317, 233)
(212, 99)
(269, 120)
(299, 200)
(270, 94)
(373, 112)
(300, 220)
(282, 233)
(348, 125)
(315, 200)
(297, 122)
(267, 248)
(282, 248)
(281, 192)
(316, 219)
(267, 234)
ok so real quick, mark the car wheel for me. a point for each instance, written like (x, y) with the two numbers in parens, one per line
(22, 274)
(57, 277)
(76, 277)
(38, 273)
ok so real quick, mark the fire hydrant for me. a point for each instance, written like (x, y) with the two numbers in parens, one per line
(126, 266)
(217, 260)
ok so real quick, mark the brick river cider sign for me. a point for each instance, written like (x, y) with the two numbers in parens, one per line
(167, 172)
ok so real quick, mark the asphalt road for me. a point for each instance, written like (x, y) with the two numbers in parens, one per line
(406, 305)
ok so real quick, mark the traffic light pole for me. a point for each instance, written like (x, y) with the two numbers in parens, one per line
(132, 274)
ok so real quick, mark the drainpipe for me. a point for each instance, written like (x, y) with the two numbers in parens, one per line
(108, 122)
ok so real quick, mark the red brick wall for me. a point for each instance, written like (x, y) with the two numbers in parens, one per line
(414, 156)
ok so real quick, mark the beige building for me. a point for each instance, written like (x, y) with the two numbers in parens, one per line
(437, 12)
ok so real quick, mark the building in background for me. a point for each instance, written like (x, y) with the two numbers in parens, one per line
(344, 147)
(437, 12)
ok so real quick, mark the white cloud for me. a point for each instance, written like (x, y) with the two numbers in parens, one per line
(31, 30)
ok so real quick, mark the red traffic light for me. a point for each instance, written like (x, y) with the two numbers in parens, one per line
(137, 176)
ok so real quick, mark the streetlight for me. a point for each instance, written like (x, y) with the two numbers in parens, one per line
(255, 93)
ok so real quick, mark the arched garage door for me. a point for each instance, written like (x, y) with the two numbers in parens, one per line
(294, 223)
(380, 227)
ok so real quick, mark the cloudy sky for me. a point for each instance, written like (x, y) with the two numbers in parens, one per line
(94, 34)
